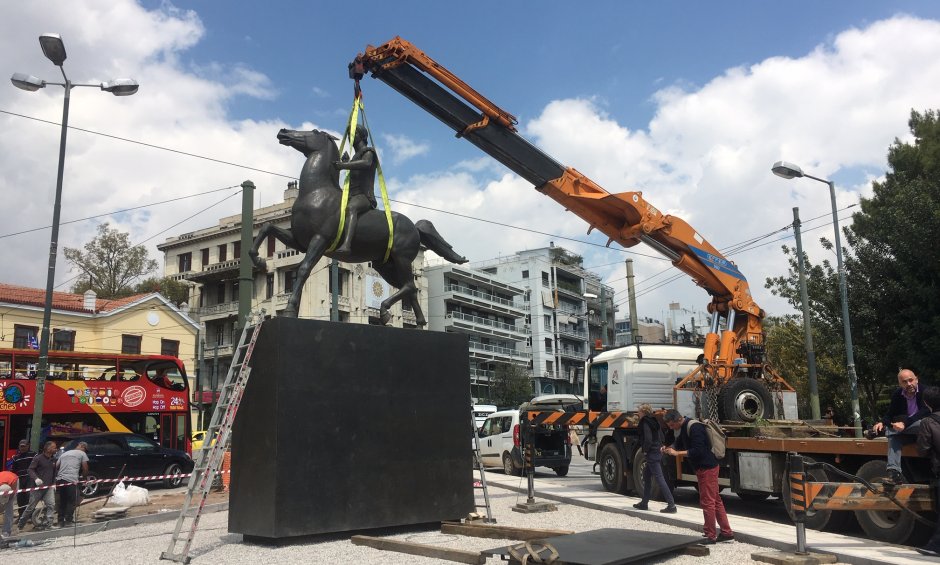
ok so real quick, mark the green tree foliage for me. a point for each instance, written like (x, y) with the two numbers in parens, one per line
(511, 386)
(175, 291)
(892, 267)
(109, 264)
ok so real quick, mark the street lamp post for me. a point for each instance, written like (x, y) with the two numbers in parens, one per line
(54, 50)
(790, 171)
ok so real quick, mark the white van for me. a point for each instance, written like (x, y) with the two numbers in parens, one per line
(501, 443)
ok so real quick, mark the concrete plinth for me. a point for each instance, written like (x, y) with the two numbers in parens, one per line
(791, 558)
(534, 507)
(349, 427)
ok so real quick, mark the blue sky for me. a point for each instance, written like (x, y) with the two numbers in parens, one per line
(689, 102)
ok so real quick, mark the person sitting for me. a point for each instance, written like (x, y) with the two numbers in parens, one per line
(362, 169)
(902, 422)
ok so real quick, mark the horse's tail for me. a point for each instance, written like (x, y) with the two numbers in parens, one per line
(433, 241)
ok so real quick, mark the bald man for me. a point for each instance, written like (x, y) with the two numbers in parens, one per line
(902, 423)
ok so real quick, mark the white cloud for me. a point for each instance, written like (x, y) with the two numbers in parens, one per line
(403, 147)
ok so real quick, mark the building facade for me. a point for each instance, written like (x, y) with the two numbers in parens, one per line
(567, 310)
(490, 311)
(209, 259)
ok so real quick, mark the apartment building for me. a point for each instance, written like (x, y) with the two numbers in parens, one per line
(209, 260)
(490, 311)
(566, 307)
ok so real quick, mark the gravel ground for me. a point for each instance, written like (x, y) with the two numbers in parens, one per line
(143, 544)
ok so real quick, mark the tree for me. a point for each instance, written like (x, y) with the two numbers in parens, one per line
(511, 386)
(892, 270)
(109, 264)
(175, 291)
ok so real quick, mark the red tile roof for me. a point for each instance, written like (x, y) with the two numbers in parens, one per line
(13, 294)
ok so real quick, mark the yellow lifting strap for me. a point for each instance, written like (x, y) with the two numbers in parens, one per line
(351, 135)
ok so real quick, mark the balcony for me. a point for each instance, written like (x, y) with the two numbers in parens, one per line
(216, 272)
(497, 353)
(482, 375)
(571, 353)
(223, 309)
(224, 350)
(572, 333)
(470, 323)
(570, 289)
(484, 300)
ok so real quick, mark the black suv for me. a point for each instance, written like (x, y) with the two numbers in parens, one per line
(109, 452)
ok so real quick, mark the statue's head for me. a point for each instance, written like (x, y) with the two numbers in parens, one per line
(362, 134)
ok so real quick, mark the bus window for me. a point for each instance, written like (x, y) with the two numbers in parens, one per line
(167, 375)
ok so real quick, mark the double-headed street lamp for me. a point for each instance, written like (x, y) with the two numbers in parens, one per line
(54, 50)
(791, 171)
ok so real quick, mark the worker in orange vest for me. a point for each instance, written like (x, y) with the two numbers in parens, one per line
(9, 482)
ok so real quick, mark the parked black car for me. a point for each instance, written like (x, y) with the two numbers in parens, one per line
(139, 456)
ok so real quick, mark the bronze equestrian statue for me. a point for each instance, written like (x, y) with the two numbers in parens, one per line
(315, 220)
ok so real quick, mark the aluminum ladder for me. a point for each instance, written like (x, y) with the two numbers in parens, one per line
(479, 465)
(209, 459)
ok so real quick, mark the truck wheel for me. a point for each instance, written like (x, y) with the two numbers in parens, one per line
(815, 519)
(508, 467)
(561, 471)
(614, 476)
(882, 525)
(745, 400)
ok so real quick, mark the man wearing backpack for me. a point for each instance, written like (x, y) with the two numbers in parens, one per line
(692, 443)
(928, 445)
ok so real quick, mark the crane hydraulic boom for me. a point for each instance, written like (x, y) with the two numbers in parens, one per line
(624, 217)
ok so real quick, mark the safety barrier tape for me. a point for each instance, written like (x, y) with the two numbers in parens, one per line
(114, 480)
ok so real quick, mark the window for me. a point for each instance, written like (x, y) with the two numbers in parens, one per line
(140, 444)
(547, 323)
(270, 246)
(289, 278)
(205, 256)
(343, 283)
(220, 293)
(25, 337)
(525, 274)
(170, 347)
(223, 249)
(548, 344)
(269, 285)
(185, 262)
(130, 344)
(236, 250)
(544, 277)
(63, 340)
(550, 367)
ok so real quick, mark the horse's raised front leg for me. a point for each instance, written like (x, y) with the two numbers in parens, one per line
(313, 254)
(283, 235)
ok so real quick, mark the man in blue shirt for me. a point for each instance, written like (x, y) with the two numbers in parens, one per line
(692, 443)
(902, 423)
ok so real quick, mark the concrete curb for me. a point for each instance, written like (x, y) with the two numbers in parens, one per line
(106, 525)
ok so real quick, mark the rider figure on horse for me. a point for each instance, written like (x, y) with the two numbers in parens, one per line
(361, 183)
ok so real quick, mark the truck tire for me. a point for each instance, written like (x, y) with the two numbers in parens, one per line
(745, 400)
(832, 520)
(614, 475)
(639, 463)
(891, 527)
(508, 467)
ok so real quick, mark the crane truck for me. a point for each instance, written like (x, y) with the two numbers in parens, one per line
(729, 379)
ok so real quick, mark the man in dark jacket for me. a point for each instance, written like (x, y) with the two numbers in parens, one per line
(692, 443)
(928, 445)
(18, 464)
(41, 474)
(902, 422)
(651, 442)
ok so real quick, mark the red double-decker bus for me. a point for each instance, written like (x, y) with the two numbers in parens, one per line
(95, 392)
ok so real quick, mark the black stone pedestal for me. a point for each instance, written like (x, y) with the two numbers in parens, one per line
(348, 427)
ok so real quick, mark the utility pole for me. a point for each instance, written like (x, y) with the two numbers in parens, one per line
(631, 292)
(807, 329)
(245, 278)
(334, 295)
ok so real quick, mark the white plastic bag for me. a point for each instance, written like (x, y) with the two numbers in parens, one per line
(118, 496)
(127, 496)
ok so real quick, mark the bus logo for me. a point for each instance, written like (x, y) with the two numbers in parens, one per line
(133, 396)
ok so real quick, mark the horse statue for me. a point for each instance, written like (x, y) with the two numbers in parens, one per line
(315, 220)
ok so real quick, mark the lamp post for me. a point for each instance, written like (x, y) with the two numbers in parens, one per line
(54, 50)
(790, 171)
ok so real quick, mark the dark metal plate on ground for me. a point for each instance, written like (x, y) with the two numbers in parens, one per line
(349, 427)
(610, 546)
